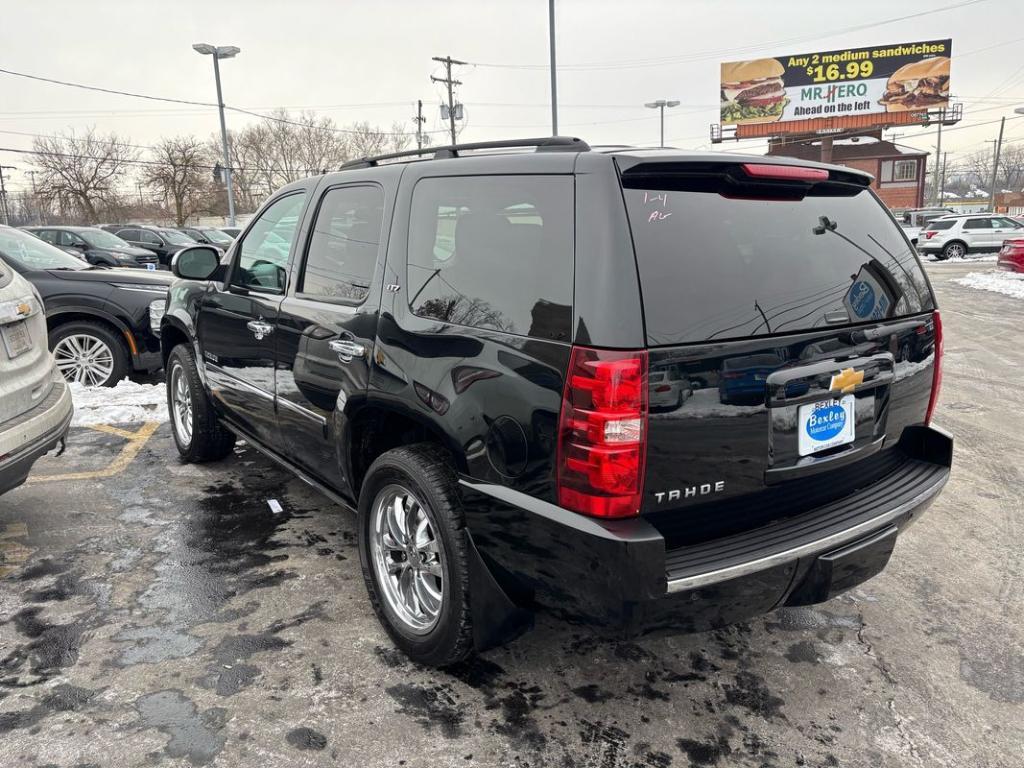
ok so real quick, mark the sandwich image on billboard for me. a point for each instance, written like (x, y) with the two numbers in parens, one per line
(753, 91)
(903, 77)
(917, 85)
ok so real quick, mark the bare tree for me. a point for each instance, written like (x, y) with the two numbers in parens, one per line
(180, 172)
(79, 172)
(286, 147)
(976, 168)
(367, 140)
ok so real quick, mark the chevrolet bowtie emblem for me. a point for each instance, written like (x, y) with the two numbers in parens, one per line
(846, 380)
(23, 309)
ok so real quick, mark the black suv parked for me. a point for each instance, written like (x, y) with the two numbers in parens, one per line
(97, 246)
(160, 240)
(461, 348)
(100, 320)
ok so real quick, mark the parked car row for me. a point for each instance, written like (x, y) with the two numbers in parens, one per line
(99, 321)
(130, 245)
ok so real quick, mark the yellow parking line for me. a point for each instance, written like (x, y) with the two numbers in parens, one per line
(136, 441)
(113, 431)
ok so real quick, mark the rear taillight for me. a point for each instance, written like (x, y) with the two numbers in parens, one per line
(602, 433)
(937, 370)
(930, 234)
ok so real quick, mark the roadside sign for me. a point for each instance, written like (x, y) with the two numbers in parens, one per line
(904, 77)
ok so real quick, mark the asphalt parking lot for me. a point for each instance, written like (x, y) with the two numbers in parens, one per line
(158, 614)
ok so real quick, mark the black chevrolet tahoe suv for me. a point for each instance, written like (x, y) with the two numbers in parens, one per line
(461, 344)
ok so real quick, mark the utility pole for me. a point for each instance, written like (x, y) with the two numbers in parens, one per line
(995, 167)
(448, 61)
(419, 120)
(942, 183)
(3, 193)
(38, 209)
(554, 78)
(138, 186)
(938, 156)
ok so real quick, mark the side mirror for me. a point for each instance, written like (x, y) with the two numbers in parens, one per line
(196, 262)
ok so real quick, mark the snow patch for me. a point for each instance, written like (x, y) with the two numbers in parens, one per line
(931, 259)
(1007, 283)
(125, 403)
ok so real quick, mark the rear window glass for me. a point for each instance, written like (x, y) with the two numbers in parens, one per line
(715, 267)
(937, 225)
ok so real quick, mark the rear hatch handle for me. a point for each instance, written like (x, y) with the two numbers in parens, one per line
(878, 370)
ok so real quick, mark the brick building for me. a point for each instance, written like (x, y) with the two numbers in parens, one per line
(899, 171)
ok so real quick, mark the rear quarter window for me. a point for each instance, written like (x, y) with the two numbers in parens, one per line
(493, 252)
(940, 225)
(714, 267)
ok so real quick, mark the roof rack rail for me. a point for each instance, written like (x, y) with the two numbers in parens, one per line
(543, 144)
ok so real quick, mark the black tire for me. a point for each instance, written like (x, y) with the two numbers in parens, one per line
(947, 251)
(107, 335)
(425, 470)
(209, 440)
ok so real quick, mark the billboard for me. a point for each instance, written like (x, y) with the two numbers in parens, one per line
(905, 77)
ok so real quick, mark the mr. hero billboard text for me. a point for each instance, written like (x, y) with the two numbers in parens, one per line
(905, 77)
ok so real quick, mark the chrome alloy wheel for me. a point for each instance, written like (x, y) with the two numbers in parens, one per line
(181, 404)
(955, 251)
(84, 359)
(408, 558)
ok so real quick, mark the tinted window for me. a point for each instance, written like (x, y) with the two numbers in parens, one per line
(100, 239)
(68, 238)
(941, 224)
(263, 257)
(977, 224)
(129, 234)
(48, 235)
(149, 237)
(176, 238)
(1004, 223)
(494, 252)
(343, 245)
(714, 267)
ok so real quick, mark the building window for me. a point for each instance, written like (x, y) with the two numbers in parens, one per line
(904, 170)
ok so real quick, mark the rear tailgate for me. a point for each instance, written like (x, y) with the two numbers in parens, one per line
(799, 314)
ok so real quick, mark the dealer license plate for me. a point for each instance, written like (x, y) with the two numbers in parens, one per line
(16, 338)
(826, 424)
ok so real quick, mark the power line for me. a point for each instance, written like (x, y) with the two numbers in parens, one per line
(105, 90)
(715, 54)
(150, 163)
(193, 103)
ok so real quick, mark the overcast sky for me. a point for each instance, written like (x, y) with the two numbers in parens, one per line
(372, 61)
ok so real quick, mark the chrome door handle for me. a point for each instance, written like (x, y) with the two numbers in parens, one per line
(260, 328)
(346, 349)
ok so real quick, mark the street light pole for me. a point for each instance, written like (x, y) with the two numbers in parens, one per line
(218, 53)
(660, 105)
(554, 77)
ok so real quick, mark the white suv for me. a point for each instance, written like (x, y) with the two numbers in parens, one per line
(35, 402)
(952, 237)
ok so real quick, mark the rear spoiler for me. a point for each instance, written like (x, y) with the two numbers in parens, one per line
(745, 179)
